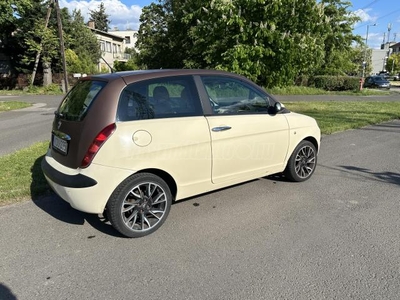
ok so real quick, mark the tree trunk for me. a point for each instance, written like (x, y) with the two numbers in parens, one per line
(47, 75)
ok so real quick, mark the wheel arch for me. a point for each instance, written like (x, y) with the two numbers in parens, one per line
(169, 180)
(313, 141)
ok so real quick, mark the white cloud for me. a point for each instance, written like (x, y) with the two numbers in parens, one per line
(120, 15)
(364, 15)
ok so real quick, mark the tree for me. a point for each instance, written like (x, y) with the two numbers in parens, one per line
(131, 64)
(100, 18)
(153, 39)
(84, 44)
(338, 37)
(46, 41)
(10, 10)
(393, 63)
(270, 42)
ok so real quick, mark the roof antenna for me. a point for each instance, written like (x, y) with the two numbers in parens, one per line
(112, 70)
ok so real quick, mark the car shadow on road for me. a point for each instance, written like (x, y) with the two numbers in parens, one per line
(6, 293)
(367, 174)
(45, 199)
(387, 176)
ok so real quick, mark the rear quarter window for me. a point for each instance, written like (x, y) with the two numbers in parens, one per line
(159, 98)
(76, 104)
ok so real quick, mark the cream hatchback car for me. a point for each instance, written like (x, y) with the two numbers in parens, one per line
(128, 144)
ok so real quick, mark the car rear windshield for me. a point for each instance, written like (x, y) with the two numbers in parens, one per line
(77, 102)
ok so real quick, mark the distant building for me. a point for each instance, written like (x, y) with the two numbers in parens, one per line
(378, 60)
(130, 37)
(112, 47)
(395, 48)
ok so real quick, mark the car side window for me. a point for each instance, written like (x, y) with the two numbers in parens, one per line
(231, 96)
(161, 98)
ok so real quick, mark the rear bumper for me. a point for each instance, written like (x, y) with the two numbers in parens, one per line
(71, 181)
(87, 190)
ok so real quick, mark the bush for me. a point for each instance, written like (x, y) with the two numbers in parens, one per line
(8, 82)
(335, 83)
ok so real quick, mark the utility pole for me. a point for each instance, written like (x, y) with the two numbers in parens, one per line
(62, 49)
(388, 51)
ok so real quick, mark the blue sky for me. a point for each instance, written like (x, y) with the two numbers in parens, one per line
(125, 14)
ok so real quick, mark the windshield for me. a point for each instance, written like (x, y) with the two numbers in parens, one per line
(75, 105)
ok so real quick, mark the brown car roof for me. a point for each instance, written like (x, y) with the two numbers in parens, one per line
(132, 76)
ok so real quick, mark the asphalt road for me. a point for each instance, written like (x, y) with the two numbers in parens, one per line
(21, 128)
(336, 236)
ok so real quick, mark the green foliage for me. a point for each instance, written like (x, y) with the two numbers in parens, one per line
(100, 18)
(52, 89)
(79, 64)
(153, 38)
(84, 49)
(131, 64)
(393, 63)
(271, 42)
(23, 44)
(335, 83)
(41, 39)
(10, 11)
(125, 66)
(338, 37)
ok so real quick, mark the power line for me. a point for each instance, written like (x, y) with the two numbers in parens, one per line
(373, 2)
(391, 13)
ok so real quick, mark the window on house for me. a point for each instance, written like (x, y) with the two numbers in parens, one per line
(108, 46)
(127, 39)
(102, 46)
(114, 48)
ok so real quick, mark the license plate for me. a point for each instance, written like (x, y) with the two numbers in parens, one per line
(60, 145)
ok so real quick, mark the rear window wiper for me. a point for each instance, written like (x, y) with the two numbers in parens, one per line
(58, 114)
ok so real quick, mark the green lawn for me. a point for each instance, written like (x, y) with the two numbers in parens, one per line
(21, 177)
(336, 116)
(11, 105)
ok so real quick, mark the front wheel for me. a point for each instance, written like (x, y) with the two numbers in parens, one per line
(302, 162)
(139, 205)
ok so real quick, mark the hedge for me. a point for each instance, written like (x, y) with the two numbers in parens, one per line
(335, 83)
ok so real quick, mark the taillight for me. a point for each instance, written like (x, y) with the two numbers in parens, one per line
(96, 144)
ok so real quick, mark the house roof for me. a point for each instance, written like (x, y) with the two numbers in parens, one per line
(395, 45)
(103, 33)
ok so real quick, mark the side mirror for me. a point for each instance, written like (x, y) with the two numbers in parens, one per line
(277, 107)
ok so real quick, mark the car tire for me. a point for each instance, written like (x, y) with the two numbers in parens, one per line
(302, 162)
(139, 205)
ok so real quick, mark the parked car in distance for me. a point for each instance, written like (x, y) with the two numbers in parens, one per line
(128, 144)
(376, 81)
(396, 77)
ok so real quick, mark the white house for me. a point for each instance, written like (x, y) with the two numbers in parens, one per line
(130, 37)
(112, 47)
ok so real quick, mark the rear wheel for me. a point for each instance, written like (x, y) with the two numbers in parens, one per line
(302, 163)
(139, 205)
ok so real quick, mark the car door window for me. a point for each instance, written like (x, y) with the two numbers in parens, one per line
(230, 96)
(161, 98)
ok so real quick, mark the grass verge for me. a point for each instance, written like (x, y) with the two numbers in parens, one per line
(53, 89)
(337, 116)
(303, 90)
(21, 176)
(11, 105)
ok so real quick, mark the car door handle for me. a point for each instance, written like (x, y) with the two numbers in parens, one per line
(221, 128)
